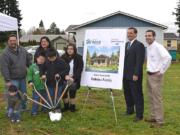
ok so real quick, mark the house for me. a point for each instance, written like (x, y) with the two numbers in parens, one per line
(58, 41)
(101, 60)
(170, 41)
(117, 20)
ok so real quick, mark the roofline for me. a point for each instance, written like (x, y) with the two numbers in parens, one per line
(63, 39)
(120, 12)
(171, 38)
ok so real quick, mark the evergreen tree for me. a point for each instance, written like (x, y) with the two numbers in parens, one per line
(177, 14)
(88, 58)
(53, 29)
(41, 24)
(41, 29)
(2, 6)
(11, 8)
(94, 55)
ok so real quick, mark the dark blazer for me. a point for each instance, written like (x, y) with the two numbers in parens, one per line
(50, 69)
(134, 59)
(78, 67)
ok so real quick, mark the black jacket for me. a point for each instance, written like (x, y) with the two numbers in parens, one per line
(78, 67)
(50, 69)
(134, 59)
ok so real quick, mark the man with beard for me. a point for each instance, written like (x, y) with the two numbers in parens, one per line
(14, 63)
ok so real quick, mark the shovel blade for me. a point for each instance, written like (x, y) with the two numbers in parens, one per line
(55, 116)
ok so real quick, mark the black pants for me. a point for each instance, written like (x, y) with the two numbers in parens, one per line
(72, 91)
(134, 97)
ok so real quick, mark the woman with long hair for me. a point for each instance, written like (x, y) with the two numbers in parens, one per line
(75, 62)
(44, 45)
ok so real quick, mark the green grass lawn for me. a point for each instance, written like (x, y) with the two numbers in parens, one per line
(98, 116)
(178, 56)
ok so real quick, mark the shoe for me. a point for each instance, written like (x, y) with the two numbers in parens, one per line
(18, 120)
(72, 108)
(12, 120)
(156, 125)
(33, 114)
(150, 120)
(137, 119)
(128, 114)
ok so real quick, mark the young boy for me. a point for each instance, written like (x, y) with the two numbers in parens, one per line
(14, 103)
(55, 68)
(34, 80)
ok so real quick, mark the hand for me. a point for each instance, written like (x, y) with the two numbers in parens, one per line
(43, 77)
(135, 77)
(57, 76)
(30, 85)
(69, 78)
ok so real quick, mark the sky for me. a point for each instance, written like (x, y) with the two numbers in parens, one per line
(103, 50)
(68, 12)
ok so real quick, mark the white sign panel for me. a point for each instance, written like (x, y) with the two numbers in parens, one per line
(104, 51)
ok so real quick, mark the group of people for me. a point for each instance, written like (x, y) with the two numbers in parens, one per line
(48, 67)
(158, 61)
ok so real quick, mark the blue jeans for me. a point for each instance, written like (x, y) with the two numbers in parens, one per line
(36, 97)
(21, 85)
(52, 92)
(14, 113)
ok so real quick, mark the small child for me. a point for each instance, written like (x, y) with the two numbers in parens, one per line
(35, 80)
(14, 103)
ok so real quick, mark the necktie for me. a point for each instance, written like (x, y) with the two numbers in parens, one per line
(128, 45)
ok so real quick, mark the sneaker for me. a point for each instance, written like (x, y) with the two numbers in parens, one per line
(18, 120)
(12, 120)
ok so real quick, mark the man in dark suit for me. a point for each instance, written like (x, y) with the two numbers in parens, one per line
(133, 75)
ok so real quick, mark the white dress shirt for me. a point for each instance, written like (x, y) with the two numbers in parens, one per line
(158, 58)
(132, 41)
(71, 64)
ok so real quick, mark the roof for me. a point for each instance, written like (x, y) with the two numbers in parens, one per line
(68, 38)
(170, 36)
(37, 38)
(102, 56)
(122, 13)
(70, 28)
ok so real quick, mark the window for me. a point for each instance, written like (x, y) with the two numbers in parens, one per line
(168, 43)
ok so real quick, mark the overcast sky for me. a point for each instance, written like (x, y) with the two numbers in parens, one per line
(67, 12)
